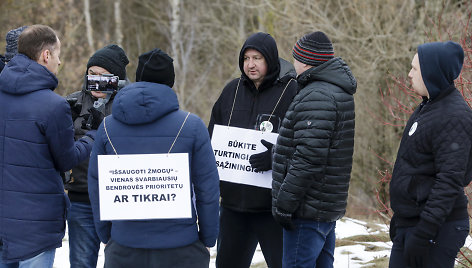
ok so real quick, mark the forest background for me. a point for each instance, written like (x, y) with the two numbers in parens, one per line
(377, 39)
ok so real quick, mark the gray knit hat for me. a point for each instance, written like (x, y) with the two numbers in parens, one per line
(12, 42)
(313, 49)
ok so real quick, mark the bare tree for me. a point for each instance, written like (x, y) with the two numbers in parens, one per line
(118, 26)
(88, 25)
(375, 38)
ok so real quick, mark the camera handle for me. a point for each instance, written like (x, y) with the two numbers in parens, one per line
(100, 106)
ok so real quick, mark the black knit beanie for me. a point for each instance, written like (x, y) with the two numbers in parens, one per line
(313, 49)
(157, 67)
(112, 58)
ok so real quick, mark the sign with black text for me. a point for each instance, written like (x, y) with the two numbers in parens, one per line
(232, 147)
(144, 186)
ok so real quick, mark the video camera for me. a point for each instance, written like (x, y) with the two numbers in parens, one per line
(107, 83)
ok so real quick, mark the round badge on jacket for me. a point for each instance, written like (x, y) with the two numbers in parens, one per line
(266, 126)
(413, 129)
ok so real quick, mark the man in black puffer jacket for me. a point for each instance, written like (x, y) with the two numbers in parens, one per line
(434, 164)
(262, 93)
(313, 154)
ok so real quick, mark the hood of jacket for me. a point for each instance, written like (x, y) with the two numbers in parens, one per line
(265, 44)
(334, 71)
(440, 64)
(23, 75)
(143, 102)
(287, 71)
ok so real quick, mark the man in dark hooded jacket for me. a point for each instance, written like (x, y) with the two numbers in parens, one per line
(146, 119)
(313, 155)
(262, 93)
(36, 144)
(434, 164)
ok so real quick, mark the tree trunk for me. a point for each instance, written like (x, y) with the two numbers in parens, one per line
(118, 27)
(88, 25)
(175, 42)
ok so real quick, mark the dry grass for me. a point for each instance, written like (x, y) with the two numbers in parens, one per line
(378, 262)
(464, 258)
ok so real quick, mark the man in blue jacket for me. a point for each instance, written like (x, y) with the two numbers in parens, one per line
(146, 119)
(434, 164)
(36, 144)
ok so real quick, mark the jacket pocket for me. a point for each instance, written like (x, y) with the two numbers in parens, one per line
(401, 198)
(420, 187)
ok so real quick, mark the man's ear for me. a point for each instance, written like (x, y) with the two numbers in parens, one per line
(44, 56)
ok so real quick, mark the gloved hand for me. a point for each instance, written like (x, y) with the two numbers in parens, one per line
(283, 218)
(416, 249)
(262, 161)
(75, 108)
(93, 119)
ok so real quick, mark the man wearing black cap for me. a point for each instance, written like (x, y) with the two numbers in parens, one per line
(146, 119)
(313, 155)
(434, 163)
(84, 243)
(256, 101)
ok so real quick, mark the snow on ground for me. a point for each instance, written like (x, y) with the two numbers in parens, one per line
(346, 256)
(356, 255)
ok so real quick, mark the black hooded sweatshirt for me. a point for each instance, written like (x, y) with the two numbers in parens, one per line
(434, 161)
(252, 106)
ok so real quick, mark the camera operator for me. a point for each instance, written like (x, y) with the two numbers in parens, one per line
(88, 110)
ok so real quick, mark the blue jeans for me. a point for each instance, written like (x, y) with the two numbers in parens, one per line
(84, 243)
(43, 260)
(310, 245)
(449, 240)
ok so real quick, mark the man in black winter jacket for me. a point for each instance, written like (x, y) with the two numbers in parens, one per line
(83, 240)
(257, 100)
(434, 164)
(313, 154)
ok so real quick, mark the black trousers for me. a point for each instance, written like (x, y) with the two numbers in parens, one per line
(238, 237)
(195, 255)
(449, 240)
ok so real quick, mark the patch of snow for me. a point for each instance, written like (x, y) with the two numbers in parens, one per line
(352, 256)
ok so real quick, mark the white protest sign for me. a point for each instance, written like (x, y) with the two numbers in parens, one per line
(144, 186)
(232, 147)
